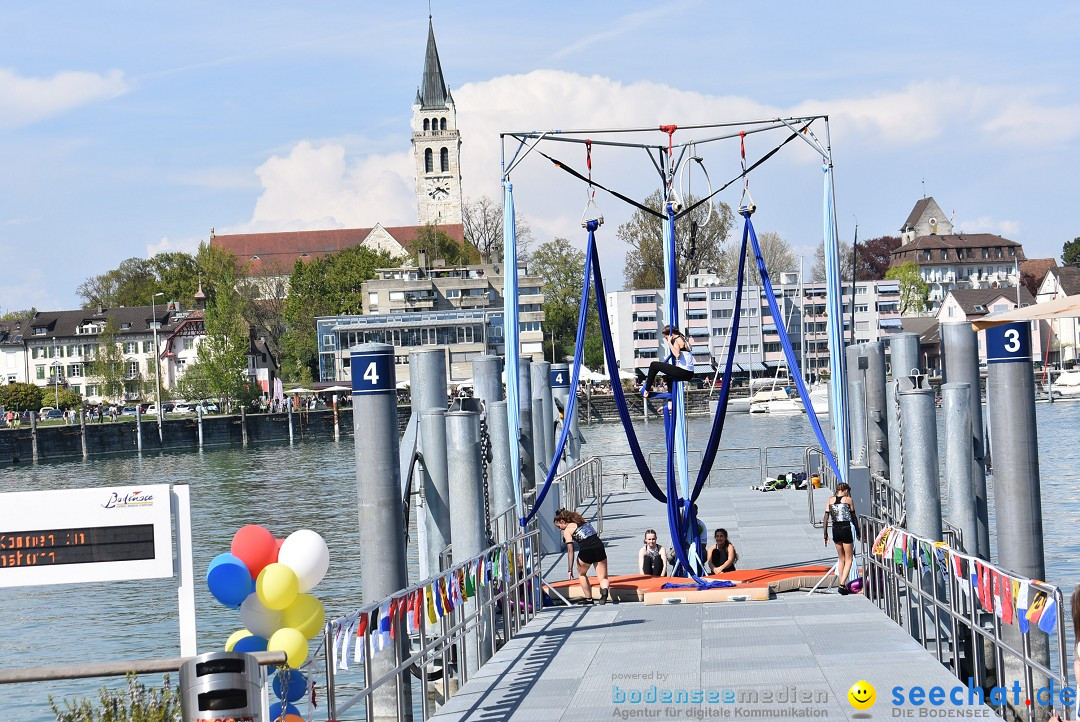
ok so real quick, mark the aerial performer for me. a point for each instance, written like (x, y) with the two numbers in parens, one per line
(681, 353)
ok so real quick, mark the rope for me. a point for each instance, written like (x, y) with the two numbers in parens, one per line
(620, 196)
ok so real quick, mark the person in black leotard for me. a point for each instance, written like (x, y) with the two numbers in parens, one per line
(577, 532)
(841, 511)
(721, 554)
(652, 559)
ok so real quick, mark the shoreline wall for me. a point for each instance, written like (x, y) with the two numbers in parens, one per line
(56, 443)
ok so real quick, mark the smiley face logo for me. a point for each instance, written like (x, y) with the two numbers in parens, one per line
(862, 695)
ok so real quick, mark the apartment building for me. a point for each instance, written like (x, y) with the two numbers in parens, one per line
(459, 308)
(707, 310)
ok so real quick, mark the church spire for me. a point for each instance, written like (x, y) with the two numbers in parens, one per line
(432, 93)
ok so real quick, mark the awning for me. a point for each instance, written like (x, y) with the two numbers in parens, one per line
(1068, 307)
(755, 366)
(774, 364)
(703, 369)
(890, 323)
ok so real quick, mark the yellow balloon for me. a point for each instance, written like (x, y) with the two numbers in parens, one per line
(292, 643)
(277, 586)
(236, 637)
(306, 613)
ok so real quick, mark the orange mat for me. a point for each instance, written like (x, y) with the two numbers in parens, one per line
(750, 583)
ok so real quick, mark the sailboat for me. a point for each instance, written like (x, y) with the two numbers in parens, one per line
(777, 398)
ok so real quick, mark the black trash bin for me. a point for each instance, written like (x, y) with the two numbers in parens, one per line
(220, 686)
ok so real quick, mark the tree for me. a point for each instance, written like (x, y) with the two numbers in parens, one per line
(18, 315)
(21, 397)
(135, 281)
(326, 286)
(437, 245)
(563, 268)
(223, 351)
(914, 292)
(775, 251)
(67, 398)
(1070, 252)
(873, 257)
(483, 221)
(108, 363)
(697, 245)
(817, 273)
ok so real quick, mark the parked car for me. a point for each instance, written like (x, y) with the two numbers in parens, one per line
(152, 410)
(209, 407)
(183, 407)
(44, 410)
(128, 410)
(53, 415)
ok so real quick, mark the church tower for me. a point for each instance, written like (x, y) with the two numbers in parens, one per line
(436, 145)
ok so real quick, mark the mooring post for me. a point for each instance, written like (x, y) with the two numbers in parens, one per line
(487, 378)
(922, 486)
(559, 377)
(243, 426)
(904, 357)
(856, 380)
(138, 425)
(288, 409)
(33, 437)
(501, 481)
(427, 390)
(487, 387)
(896, 464)
(956, 408)
(466, 517)
(1017, 485)
(877, 436)
(381, 549)
(528, 470)
(199, 413)
(538, 371)
(960, 350)
(82, 436)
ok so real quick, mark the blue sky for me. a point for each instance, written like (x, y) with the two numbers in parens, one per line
(130, 128)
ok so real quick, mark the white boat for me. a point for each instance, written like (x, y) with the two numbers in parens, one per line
(1067, 384)
(819, 399)
(774, 401)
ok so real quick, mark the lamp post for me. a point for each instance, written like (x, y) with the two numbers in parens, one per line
(57, 365)
(157, 366)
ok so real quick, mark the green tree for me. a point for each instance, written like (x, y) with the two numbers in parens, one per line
(914, 292)
(67, 397)
(562, 267)
(18, 315)
(439, 246)
(326, 286)
(1070, 252)
(108, 363)
(195, 383)
(698, 245)
(223, 351)
(21, 397)
(135, 281)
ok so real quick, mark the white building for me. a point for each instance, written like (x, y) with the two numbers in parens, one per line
(1065, 332)
(707, 310)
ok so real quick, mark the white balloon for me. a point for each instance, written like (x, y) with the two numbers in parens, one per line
(258, 618)
(306, 553)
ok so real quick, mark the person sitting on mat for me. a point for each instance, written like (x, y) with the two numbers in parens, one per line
(722, 555)
(578, 532)
(841, 509)
(652, 559)
(681, 370)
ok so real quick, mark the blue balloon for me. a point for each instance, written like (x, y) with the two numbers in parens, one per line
(277, 712)
(229, 580)
(292, 688)
(250, 644)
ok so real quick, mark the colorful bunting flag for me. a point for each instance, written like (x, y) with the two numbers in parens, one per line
(1037, 608)
(879, 542)
(995, 581)
(1022, 600)
(1007, 600)
(432, 618)
(439, 608)
(1048, 621)
(361, 638)
(381, 634)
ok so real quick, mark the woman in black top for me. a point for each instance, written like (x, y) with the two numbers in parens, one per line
(652, 559)
(841, 511)
(590, 550)
(722, 555)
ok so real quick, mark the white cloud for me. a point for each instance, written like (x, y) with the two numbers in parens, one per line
(24, 100)
(169, 245)
(986, 224)
(322, 184)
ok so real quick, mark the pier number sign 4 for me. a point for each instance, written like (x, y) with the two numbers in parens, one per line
(373, 372)
(85, 535)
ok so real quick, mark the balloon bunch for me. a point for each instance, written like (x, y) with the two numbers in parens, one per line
(268, 580)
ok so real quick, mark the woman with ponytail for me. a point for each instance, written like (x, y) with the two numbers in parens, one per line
(580, 536)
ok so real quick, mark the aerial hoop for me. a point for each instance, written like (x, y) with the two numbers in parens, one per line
(684, 183)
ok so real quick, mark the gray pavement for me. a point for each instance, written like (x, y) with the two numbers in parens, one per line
(796, 655)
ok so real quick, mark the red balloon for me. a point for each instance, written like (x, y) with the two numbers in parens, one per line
(277, 547)
(255, 546)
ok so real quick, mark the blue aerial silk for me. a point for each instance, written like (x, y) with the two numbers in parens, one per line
(835, 332)
(510, 339)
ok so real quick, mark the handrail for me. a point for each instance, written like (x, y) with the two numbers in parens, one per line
(115, 669)
(581, 484)
(823, 470)
(512, 594)
(962, 625)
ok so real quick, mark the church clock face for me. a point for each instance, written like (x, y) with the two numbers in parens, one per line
(438, 190)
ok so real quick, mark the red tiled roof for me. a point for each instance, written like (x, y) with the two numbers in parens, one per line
(278, 252)
(955, 241)
(1038, 267)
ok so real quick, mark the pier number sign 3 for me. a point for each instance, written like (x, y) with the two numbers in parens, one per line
(85, 535)
(1008, 343)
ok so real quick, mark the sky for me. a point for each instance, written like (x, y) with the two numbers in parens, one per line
(128, 129)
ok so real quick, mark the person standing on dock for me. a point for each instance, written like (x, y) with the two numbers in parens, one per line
(841, 509)
(579, 533)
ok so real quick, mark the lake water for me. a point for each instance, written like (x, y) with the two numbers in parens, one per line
(312, 486)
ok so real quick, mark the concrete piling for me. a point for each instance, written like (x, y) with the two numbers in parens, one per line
(525, 406)
(904, 357)
(877, 436)
(381, 545)
(427, 388)
(956, 407)
(856, 380)
(922, 487)
(960, 349)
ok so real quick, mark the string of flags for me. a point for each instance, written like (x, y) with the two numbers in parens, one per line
(1013, 601)
(429, 603)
